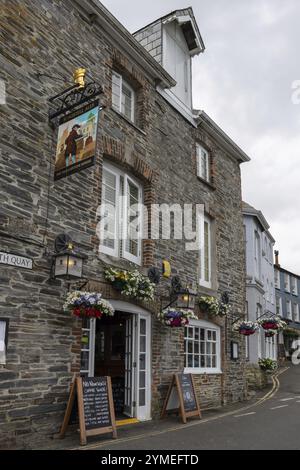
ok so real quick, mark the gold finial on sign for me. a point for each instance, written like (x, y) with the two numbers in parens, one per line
(79, 77)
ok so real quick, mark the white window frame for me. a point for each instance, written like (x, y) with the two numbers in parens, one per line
(294, 286)
(105, 249)
(121, 216)
(279, 299)
(277, 279)
(257, 255)
(295, 312)
(127, 255)
(202, 281)
(289, 311)
(287, 282)
(211, 327)
(123, 83)
(199, 150)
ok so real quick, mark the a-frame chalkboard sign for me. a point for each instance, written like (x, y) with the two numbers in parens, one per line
(95, 407)
(181, 398)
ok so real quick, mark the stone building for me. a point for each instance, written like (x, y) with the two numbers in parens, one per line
(153, 147)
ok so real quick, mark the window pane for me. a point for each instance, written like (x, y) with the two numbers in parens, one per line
(142, 398)
(206, 252)
(127, 101)
(116, 91)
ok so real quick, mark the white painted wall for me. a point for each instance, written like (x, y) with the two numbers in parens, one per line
(260, 289)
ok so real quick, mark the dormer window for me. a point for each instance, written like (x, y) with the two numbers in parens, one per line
(177, 61)
(203, 163)
(123, 96)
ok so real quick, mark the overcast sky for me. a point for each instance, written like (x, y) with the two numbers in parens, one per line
(244, 82)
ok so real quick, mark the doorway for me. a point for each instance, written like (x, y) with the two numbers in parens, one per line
(119, 347)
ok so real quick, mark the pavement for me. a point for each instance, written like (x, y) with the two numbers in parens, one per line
(270, 421)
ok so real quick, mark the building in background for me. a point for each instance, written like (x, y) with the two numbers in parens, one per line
(287, 285)
(260, 289)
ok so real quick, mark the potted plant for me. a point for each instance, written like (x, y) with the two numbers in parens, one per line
(213, 306)
(268, 364)
(246, 328)
(176, 318)
(88, 305)
(131, 283)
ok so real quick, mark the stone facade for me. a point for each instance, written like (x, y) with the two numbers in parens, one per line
(42, 43)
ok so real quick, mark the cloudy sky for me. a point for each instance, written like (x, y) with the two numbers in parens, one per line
(244, 82)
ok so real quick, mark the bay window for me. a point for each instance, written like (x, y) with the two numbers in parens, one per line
(121, 215)
(202, 348)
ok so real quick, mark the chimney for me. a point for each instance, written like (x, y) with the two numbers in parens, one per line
(277, 258)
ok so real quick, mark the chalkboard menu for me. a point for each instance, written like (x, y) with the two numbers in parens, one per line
(188, 392)
(94, 406)
(96, 403)
(181, 397)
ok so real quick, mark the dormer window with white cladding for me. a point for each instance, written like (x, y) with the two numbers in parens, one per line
(173, 41)
(177, 61)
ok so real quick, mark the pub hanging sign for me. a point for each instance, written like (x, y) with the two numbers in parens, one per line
(75, 114)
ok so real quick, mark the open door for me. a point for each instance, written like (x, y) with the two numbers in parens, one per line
(143, 389)
(129, 367)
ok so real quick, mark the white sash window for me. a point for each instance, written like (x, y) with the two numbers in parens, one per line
(203, 163)
(205, 267)
(122, 215)
(123, 96)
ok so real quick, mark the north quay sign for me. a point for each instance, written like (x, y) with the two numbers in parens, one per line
(15, 260)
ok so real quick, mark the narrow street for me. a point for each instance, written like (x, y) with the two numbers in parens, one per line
(274, 425)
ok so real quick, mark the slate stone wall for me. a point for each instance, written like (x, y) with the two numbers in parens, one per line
(41, 44)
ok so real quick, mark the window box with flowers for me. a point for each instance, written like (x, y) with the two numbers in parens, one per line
(213, 306)
(176, 318)
(131, 283)
(88, 305)
(246, 328)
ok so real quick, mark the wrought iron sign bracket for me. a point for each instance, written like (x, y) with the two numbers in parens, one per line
(72, 98)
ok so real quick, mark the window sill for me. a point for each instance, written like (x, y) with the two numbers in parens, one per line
(131, 123)
(207, 183)
(122, 263)
(194, 371)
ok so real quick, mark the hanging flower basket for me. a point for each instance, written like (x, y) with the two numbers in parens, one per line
(88, 305)
(272, 323)
(131, 283)
(213, 306)
(176, 318)
(246, 328)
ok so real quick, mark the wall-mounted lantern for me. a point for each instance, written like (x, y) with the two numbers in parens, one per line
(180, 297)
(67, 264)
(186, 299)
